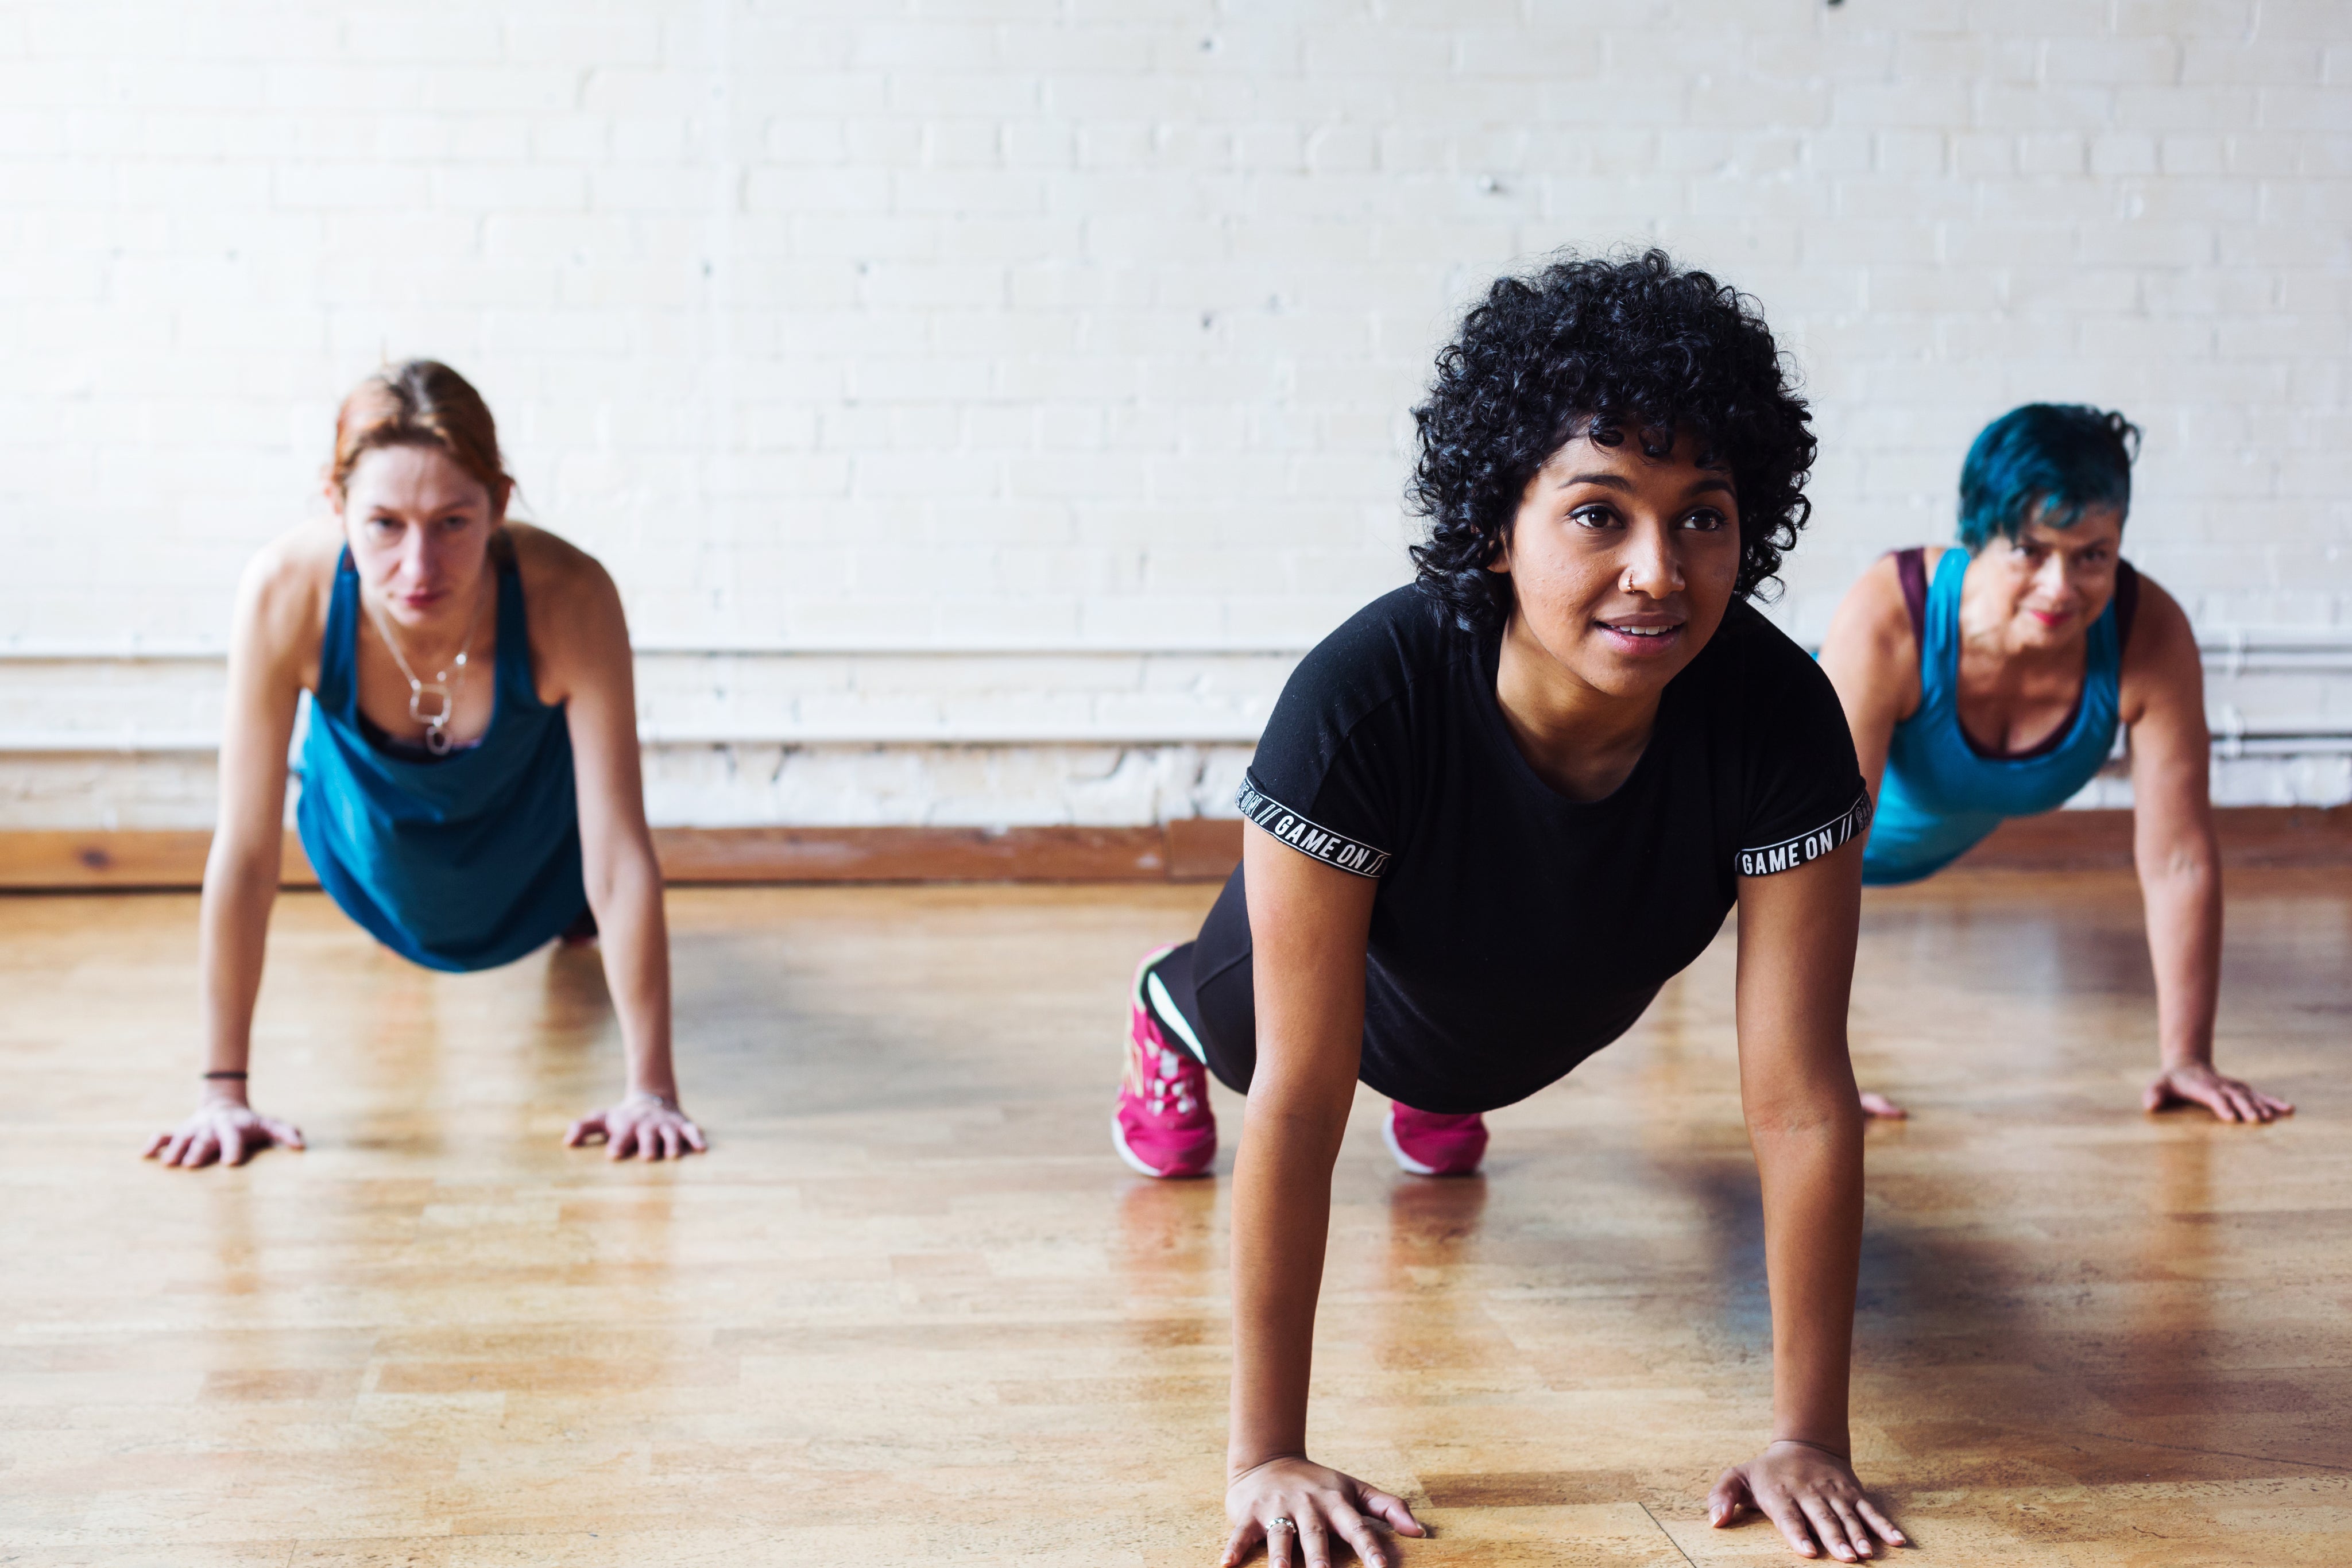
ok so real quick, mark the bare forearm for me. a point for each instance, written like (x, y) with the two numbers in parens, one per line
(635, 939)
(240, 887)
(2182, 894)
(1811, 1176)
(1282, 1221)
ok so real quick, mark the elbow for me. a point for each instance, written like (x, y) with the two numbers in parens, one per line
(238, 861)
(620, 874)
(1825, 1128)
(608, 880)
(2172, 834)
(1818, 1112)
(2189, 862)
(1295, 1118)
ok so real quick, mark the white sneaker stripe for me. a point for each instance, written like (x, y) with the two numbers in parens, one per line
(1164, 1008)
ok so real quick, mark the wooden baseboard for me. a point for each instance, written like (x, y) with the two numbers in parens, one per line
(42, 860)
(1195, 851)
(2088, 841)
(1180, 851)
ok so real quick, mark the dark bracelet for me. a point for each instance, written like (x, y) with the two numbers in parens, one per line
(239, 1076)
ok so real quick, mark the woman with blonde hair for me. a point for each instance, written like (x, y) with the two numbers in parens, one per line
(470, 788)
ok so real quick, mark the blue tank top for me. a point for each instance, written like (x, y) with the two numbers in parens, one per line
(1941, 793)
(468, 860)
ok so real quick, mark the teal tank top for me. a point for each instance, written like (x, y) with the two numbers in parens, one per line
(1941, 792)
(465, 860)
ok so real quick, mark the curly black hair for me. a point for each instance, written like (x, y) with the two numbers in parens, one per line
(1634, 343)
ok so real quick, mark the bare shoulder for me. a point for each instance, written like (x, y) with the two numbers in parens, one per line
(2163, 647)
(558, 573)
(1872, 657)
(579, 635)
(282, 596)
(2160, 611)
(299, 558)
(1873, 616)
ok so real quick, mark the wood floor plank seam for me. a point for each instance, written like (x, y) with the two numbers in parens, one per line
(1663, 1532)
(2216, 1453)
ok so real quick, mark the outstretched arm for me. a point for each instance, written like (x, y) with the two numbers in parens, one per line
(1797, 933)
(617, 853)
(1308, 926)
(1872, 659)
(2178, 860)
(266, 670)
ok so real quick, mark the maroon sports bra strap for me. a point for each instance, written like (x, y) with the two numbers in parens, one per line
(2127, 603)
(1911, 566)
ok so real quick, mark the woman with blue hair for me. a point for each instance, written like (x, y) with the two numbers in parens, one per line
(1987, 682)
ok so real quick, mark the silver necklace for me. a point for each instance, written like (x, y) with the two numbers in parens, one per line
(436, 725)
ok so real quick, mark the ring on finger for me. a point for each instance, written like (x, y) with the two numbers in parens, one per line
(1280, 1523)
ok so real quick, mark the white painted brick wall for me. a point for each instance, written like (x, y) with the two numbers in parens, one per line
(1089, 327)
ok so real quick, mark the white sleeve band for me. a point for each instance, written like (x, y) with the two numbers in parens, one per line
(1805, 848)
(1308, 838)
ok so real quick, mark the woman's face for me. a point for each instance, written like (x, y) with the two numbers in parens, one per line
(2045, 587)
(1623, 561)
(419, 527)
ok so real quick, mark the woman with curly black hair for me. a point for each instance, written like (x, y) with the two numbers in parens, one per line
(1495, 812)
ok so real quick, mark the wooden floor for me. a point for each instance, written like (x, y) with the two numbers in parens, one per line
(911, 1309)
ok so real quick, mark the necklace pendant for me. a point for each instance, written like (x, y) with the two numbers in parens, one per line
(417, 691)
(436, 740)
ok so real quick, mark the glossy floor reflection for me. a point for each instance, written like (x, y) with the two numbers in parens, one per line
(911, 1309)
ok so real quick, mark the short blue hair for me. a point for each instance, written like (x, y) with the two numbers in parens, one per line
(2045, 463)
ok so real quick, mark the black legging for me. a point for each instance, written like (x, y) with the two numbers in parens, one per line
(1211, 981)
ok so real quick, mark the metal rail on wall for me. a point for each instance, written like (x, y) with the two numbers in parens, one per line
(2226, 650)
(2228, 653)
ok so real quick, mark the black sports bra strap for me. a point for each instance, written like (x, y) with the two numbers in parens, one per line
(2127, 603)
(1911, 568)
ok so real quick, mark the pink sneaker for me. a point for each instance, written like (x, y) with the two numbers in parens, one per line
(1425, 1144)
(1163, 1127)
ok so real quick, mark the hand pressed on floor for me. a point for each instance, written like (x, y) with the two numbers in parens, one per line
(2229, 1099)
(227, 1131)
(1320, 1503)
(1811, 1494)
(645, 1124)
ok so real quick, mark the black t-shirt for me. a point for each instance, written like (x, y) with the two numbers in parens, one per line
(1515, 931)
